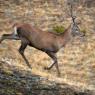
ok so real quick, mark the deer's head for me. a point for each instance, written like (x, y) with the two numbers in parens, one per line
(75, 28)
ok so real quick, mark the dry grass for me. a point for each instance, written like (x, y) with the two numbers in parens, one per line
(76, 63)
(76, 60)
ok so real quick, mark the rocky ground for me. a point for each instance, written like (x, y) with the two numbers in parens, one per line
(15, 81)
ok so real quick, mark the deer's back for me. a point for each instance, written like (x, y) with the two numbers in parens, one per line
(39, 39)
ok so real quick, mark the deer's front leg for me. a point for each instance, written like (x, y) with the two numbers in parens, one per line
(21, 51)
(53, 56)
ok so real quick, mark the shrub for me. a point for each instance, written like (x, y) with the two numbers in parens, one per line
(58, 29)
(83, 30)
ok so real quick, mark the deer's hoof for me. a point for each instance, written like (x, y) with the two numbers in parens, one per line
(30, 67)
(46, 68)
(0, 41)
(59, 75)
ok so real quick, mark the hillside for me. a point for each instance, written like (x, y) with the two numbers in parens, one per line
(76, 60)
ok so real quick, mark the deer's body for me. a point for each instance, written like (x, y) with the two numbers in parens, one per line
(42, 40)
(47, 42)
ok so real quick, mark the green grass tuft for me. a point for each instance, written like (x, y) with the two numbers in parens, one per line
(58, 29)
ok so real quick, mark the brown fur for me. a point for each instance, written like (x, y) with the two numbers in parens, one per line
(47, 42)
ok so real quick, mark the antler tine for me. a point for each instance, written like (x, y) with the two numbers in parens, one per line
(73, 16)
(71, 10)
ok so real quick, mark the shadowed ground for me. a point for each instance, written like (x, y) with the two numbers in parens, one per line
(22, 82)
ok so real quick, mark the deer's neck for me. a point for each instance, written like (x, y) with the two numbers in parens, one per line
(65, 37)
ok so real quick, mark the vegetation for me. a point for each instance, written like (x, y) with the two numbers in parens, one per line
(83, 30)
(58, 29)
(76, 61)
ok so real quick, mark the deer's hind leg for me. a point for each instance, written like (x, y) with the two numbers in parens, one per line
(9, 36)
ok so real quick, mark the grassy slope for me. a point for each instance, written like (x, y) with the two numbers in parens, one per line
(77, 61)
(17, 80)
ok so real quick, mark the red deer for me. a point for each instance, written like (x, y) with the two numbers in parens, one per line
(47, 42)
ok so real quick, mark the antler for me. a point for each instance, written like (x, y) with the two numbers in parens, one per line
(71, 11)
(75, 26)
